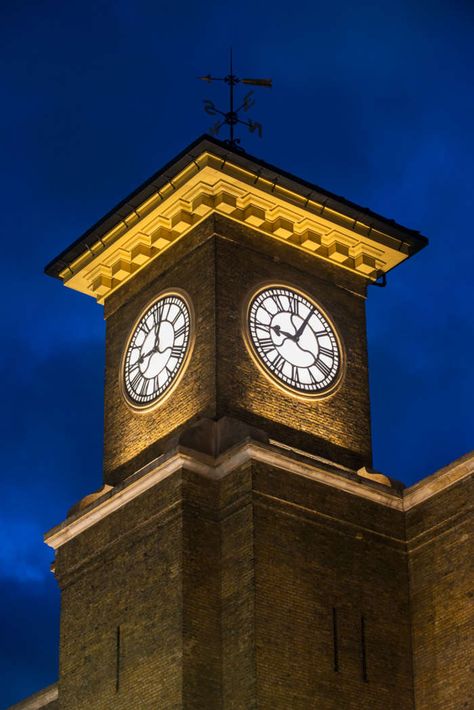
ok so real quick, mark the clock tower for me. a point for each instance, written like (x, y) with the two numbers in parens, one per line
(241, 553)
(270, 276)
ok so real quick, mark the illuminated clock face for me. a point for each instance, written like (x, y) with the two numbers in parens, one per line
(294, 341)
(157, 350)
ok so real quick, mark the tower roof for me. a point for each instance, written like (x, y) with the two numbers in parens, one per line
(208, 176)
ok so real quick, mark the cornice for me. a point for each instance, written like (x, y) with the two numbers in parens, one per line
(457, 471)
(208, 184)
(297, 463)
(39, 700)
(216, 469)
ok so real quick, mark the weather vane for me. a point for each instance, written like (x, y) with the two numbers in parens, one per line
(231, 117)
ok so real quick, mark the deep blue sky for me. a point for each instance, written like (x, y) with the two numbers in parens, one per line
(372, 100)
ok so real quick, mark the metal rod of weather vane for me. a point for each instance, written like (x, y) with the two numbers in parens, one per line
(231, 82)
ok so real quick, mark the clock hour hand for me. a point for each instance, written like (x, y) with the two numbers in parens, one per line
(279, 331)
(145, 355)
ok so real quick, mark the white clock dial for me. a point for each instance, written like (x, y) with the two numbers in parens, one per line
(294, 341)
(157, 350)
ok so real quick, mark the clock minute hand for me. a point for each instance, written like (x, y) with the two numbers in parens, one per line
(303, 326)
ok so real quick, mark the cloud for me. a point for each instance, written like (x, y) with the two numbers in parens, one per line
(51, 423)
(29, 619)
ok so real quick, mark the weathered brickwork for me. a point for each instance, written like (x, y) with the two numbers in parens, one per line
(243, 592)
(321, 553)
(173, 570)
(219, 650)
(124, 573)
(441, 548)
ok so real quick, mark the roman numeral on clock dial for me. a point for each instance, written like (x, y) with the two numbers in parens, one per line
(180, 332)
(176, 318)
(278, 302)
(294, 306)
(279, 362)
(266, 344)
(322, 367)
(137, 378)
(326, 351)
(257, 324)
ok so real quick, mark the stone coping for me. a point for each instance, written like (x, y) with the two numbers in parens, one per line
(272, 454)
(41, 699)
(439, 481)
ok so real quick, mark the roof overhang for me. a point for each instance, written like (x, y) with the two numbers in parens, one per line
(210, 177)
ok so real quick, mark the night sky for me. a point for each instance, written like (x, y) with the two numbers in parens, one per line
(371, 100)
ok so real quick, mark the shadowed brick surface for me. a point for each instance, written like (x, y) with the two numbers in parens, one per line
(441, 548)
(319, 549)
(225, 591)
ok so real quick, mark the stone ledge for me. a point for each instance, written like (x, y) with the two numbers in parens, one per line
(439, 481)
(41, 699)
(248, 450)
(216, 468)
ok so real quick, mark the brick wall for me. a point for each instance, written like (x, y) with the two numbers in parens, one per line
(323, 560)
(224, 592)
(124, 573)
(440, 542)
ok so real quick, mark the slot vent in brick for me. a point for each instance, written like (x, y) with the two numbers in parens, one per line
(117, 660)
(335, 648)
(363, 650)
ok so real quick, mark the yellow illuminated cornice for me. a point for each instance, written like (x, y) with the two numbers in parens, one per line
(210, 184)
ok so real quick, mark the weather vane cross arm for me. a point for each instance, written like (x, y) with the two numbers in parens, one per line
(231, 117)
(258, 82)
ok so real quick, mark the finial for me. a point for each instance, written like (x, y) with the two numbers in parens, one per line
(231, 117)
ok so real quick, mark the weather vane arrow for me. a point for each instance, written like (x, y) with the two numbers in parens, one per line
(231, 117)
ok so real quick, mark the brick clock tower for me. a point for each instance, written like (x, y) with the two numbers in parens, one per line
(242, 553)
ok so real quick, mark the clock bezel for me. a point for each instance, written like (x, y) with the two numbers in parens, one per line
(147, 407)
(287, 389)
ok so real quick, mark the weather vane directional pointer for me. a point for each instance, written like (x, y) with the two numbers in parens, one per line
(231, 117)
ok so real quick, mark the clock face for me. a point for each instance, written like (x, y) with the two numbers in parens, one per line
(294, 341)
(157, 350)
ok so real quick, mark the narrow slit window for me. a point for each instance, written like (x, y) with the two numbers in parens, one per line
(335, 648)
(363, 650)
(117, 660)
